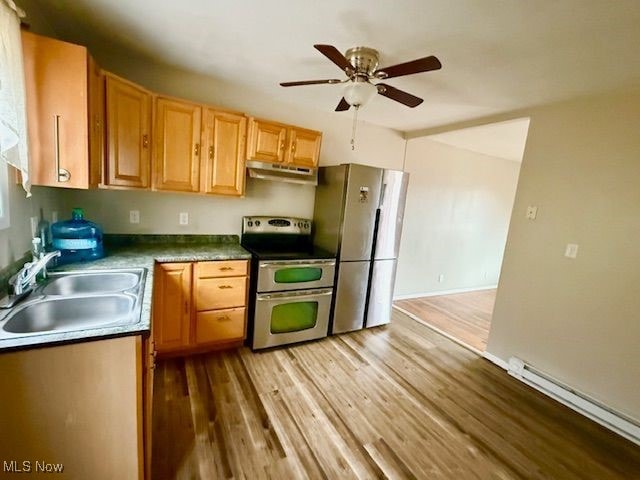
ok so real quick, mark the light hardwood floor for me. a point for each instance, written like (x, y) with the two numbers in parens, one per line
(464, 316)
(399, 401)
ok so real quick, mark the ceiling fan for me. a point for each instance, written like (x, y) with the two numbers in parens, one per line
(360, 64)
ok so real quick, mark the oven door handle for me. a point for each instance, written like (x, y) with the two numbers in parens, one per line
(291, 264)
(261, 297)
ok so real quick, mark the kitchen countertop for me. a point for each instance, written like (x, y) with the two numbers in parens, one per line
(134, 255)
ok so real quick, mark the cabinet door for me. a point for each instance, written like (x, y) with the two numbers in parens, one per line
(172, 306)
(224, 153)
(56, 90)
(176, 155)
(304, 147)
(128, 128)
(266, 141)
(96, 123)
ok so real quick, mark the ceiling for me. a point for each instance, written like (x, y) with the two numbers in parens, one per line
(497, 55)
(503, 139)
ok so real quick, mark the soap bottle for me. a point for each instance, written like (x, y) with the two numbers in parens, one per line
(43, 232)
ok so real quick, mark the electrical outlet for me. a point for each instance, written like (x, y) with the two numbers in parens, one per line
(134, 216)
(184, 218)
(54, 216)
(532, 212)
(571, 251)
(441, 278)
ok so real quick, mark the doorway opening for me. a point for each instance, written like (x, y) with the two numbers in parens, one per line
(460, 200)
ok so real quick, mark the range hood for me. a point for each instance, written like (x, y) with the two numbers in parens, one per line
(282, 172)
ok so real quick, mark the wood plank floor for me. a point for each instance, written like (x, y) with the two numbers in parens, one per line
(464, 316)
(399, 401)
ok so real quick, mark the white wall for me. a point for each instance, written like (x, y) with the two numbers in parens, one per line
(457, 215)
(578, 320)
(207, 214)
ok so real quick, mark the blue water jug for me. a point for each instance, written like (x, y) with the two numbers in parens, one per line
(77, 239)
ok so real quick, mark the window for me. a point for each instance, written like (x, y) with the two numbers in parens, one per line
(13, 127)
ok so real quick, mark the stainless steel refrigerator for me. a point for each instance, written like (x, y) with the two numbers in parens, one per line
(358, 215)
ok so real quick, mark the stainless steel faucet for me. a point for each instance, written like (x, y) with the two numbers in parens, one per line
(26, 277)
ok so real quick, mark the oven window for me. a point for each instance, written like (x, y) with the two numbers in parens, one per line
(297, 274)
(293, 317)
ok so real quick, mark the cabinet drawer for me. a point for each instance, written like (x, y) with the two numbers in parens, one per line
(216, 293)
(227, 268)
(220, 325)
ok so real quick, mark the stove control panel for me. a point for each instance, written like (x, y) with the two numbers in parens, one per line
(290, 225)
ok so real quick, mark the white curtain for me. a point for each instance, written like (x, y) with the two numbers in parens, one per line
(13, 124)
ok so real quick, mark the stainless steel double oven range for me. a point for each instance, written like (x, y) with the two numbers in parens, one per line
(291, 282)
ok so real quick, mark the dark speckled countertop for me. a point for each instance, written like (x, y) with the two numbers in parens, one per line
(140, 251)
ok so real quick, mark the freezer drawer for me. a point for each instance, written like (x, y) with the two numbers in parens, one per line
(351, 296)
(381, 296)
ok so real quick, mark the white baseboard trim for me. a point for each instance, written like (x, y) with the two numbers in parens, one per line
(437, 330)
(443, 292)
(497, 360)
(593, 409)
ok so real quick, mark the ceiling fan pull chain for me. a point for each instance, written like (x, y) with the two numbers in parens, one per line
(353, 130)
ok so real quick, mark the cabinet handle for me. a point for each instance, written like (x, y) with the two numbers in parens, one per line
(224, 318)
(145, 141)
(196, 149)
(282, 145)
(293, 146)
(211, 152)
(224, 287)
(62, 175)
(225, 269)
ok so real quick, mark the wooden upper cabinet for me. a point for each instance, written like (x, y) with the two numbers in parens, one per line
(172, 306)
(304, 147)
(61, 89)
(176, 155)
(128, 130)
(274, 143)
(267, 141)
(223, 140)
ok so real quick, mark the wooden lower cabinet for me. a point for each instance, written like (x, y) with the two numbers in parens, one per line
(172, 306)
(199, 306)
(224, 325)
(78, 405)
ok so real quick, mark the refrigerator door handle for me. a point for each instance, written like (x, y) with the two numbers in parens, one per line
(384, 189)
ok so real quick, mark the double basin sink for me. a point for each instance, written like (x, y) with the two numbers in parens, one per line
(81, 300)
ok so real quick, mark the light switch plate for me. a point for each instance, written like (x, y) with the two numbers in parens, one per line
(134, 216)
(532, 212)
(184, 218)
(571, 251)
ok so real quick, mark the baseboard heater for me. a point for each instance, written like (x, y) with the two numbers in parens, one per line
(596, 411)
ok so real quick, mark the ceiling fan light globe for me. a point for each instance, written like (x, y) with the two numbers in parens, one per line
(358, 94)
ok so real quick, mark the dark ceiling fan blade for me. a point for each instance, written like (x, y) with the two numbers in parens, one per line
(399, 95)
(333, 54)
(343, 105)
(310, 82)
(425, 64)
